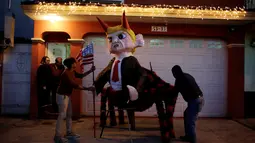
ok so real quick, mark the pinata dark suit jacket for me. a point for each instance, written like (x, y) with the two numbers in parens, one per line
(131, 71)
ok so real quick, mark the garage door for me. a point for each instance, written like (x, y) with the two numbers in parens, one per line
(205, 59)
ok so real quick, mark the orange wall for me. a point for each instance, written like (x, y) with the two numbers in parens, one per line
(38, 51)
(77, 30)
(235, 85)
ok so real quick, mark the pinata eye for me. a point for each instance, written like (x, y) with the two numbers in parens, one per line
(121, 36)
(110, 39)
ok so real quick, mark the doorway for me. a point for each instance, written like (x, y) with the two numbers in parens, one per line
(55, 50)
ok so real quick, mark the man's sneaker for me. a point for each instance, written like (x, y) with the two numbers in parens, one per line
(72, 135)
(59, 139)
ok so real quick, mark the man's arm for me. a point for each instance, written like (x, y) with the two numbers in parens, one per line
(87, 73)
(69, 79)
(80, 75)
(43, 76)
(176, 87)
(40, 80)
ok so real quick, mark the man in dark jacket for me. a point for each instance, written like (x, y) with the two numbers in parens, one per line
(43, 84)
(187, 86)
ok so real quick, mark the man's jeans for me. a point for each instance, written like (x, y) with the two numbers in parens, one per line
(65, 110)
(191, 116)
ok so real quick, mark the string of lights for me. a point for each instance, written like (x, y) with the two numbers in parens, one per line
(202, 12)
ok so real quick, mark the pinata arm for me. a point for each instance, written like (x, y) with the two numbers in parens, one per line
(103, 77)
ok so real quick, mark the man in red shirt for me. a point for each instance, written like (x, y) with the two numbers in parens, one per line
(64, 91)
(57, 69)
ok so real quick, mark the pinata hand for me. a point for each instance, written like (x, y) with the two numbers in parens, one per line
(133, 94)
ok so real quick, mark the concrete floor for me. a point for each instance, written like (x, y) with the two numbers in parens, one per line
(42, 131)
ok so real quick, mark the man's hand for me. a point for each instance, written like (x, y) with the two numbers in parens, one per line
(93, 68)
(92, 88)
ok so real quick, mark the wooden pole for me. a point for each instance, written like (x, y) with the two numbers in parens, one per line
(94, 103)
(151, 67)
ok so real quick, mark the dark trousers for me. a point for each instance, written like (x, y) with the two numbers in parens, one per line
(190, 117)
(53, 99)
(43, 99)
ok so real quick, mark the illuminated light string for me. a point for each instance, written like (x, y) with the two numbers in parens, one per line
(201, 12)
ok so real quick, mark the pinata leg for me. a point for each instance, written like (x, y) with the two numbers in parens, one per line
(112, 114)
(169, 120)
(121, 116)
(103, 110)
(162, 124)
(131, 118)
(170, 103)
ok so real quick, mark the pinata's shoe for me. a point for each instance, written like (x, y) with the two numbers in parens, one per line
(59, 139)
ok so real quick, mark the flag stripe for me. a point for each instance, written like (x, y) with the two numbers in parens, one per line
(86, 63)
(89, 55)
(86, 60)
(78, 57)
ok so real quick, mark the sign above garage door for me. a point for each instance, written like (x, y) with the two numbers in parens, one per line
(158, 28)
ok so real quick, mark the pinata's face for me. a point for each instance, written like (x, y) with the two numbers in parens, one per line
(120, 38)
(120, 41)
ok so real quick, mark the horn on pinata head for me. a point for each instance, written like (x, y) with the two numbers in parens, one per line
(103, 24)
(124, 21)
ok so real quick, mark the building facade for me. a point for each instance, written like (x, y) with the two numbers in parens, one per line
(207, 42)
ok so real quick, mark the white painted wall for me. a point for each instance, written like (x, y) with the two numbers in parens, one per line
(16, 79)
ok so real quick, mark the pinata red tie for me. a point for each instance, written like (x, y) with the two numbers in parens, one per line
(115, 75)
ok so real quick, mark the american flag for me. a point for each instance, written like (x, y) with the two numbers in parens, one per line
(86, 55)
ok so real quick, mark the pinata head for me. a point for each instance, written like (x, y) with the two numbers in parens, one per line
(120, 38)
